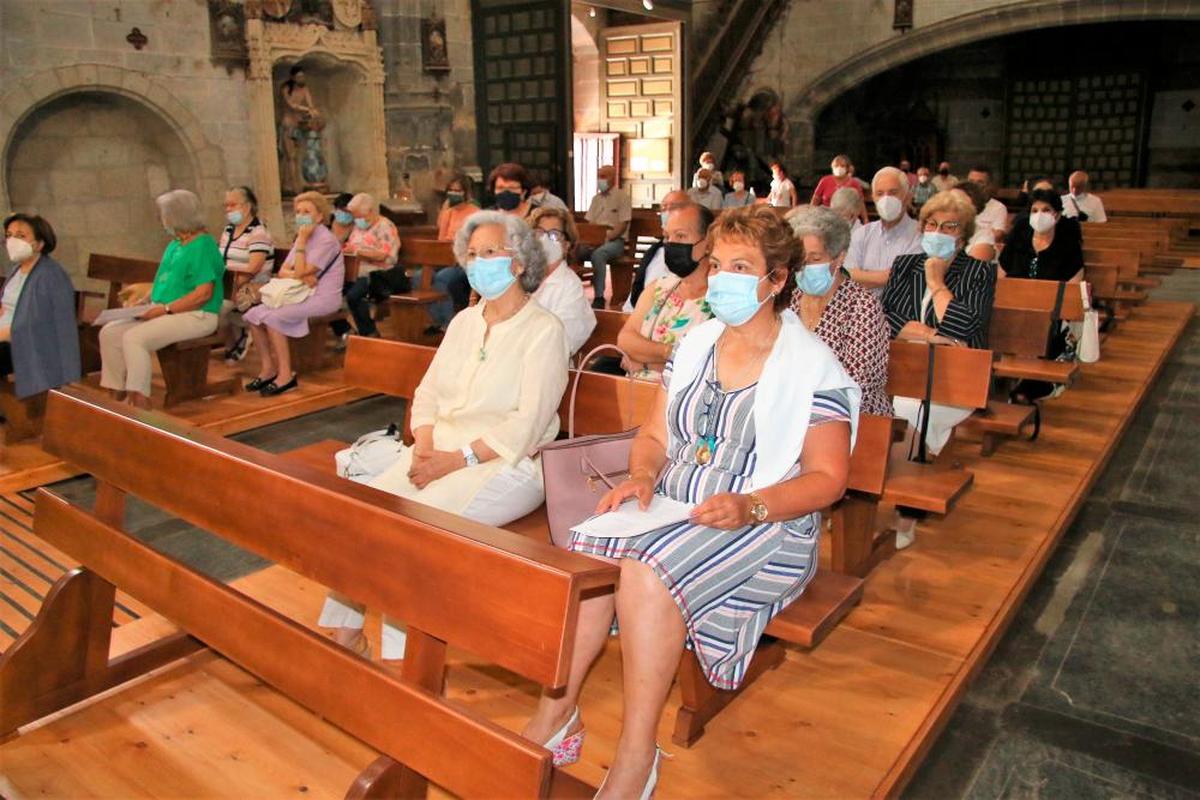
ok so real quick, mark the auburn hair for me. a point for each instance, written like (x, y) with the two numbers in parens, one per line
(762, 226)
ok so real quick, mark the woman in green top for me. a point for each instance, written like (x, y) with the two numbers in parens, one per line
(184, 304)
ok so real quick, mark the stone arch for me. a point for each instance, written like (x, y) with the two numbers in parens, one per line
(977, 26)
(25, 95)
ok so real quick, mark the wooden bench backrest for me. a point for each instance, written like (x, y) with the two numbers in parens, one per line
(1127, 261)
(1102, 277)
(460, 751)
(428, 253)
(1023, 313)
(962, 376)
(608, 327)
(286, 512)
(868, 462)
(418, 232)
(120, 271)
(591, 234)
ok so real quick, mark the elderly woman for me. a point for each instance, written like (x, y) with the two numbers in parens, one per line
(39, 342)
(675, 303)
(1047, 246)
(376, 243)
(942, 296)
(489, 399)
(848, 204)
(185, 301)
(249, 253)
(753, 427)
(843, 314)
(739, 195)
(316, 262)
(561, 291)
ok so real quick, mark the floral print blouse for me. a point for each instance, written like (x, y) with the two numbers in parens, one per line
(671, 315)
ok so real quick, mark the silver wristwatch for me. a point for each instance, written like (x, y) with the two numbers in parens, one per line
(470, 456)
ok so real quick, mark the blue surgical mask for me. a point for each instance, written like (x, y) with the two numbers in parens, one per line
(733, 297)
(815, 279)
(602, 184)
(343, 217)
(302, 220)
(491, 277)
(235, 217)
(362, 223)
(939, 245)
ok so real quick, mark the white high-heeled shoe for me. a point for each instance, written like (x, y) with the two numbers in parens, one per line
(566, 749)
(651, 779)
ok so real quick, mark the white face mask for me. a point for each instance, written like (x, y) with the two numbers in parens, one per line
(709, 165)
(738, 186)
(552, 249)
(702, 184)
(890, 208)
(1042, 221)
(839, 172)
(19, 250)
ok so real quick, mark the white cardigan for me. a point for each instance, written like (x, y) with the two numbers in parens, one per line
(799, 365)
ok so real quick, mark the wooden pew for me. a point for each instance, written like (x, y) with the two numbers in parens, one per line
(1023, 314)
(608, 327)
(411, 307)
(22, 418)
(431, 556)
(184, 364)
(961, 377)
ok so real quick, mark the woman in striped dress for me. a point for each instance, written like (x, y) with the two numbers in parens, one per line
(753, 424)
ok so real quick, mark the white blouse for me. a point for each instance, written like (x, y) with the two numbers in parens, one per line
(562, 295)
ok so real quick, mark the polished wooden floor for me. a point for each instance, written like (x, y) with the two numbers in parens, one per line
(852, 719)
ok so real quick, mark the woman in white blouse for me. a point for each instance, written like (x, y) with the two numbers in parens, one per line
(562, 291)
(489, 399)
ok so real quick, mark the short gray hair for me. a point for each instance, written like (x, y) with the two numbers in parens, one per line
(363, 202)
(824, 223)
(181, 211)
(527, 251)
(847, 199)
(898, 174)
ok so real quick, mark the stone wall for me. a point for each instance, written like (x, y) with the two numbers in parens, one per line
(430, 116)
(183, 113)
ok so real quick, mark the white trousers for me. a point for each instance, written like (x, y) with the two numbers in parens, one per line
(942, 419)
(126, 346)
(509, 495)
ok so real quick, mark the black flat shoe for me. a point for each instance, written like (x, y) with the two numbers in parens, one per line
(272, 389)
(258, 384)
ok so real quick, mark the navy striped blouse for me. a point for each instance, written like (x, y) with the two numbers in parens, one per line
(971, 281)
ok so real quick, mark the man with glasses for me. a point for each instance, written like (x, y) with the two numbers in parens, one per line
(654, 265)
(876, 245)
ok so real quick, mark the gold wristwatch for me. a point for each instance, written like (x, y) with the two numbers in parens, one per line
(758, 509)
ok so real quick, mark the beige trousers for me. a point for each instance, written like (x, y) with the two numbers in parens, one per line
(126, 346)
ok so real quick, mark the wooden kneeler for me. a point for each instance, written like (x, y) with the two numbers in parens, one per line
(448, 578)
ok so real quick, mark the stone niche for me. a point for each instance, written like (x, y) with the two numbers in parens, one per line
(93, 162)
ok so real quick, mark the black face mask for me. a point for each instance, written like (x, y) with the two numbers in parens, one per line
(943, 172)
(678, 257)
(507, 201)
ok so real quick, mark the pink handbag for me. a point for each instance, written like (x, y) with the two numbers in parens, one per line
(578, 471)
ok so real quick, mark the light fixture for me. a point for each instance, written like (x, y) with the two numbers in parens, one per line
(592, 12)
(648, 5)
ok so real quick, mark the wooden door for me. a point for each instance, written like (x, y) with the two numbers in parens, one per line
(522, 85)
(641, 98)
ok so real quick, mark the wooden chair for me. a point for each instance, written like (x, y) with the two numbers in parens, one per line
(960, 376)
(432, 556)
(412, 316)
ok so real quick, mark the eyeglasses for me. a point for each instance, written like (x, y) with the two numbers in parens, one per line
(552, 235)
(487, 253)
(950, 226)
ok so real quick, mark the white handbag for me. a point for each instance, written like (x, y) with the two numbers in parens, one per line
(279, 292)
(1087, 335)
(370, 455)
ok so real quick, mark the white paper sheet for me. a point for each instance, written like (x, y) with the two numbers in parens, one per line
(110, 314)
(630, 520)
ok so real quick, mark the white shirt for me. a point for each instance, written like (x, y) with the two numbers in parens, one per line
(994, 218)
(550, 200)
(1088, 203)
(781, 193)
(875, 248)
(12, 293)
(562, 295)
(656, 269)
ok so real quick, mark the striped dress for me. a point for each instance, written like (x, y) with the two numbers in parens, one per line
(727, 584)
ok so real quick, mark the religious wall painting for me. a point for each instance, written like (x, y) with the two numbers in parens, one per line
(435, 55)
(902, 18)
(757, 134)
(227, 33)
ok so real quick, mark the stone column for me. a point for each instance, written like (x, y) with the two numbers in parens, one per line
(263, 147)
(377, 122)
